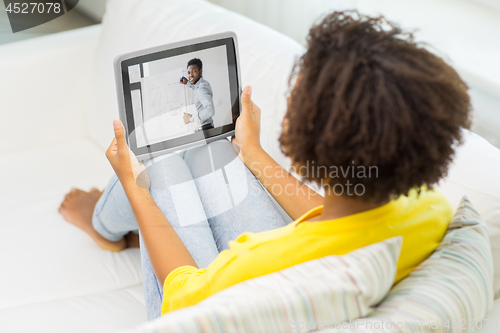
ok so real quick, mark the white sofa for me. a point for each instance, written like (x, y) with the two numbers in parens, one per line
(54, 278)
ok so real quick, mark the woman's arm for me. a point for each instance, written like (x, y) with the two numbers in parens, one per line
(293, 196)
(165, 249)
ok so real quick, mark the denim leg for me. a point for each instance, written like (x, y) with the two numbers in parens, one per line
(113, 217)
(175, 193)
(233, 199)
(153, 289)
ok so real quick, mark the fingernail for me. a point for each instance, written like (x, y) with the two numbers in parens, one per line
(117, 123)
(248, 90)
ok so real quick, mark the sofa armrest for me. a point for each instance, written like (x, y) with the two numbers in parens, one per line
(44, 87)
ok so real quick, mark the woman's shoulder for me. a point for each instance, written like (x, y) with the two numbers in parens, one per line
(428, 196)
(432, 203)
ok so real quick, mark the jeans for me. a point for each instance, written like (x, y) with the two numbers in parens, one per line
(208, 196)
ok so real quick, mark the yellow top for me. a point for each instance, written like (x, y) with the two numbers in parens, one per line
(422, 221)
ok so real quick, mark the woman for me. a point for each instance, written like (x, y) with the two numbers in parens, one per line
(372, 118)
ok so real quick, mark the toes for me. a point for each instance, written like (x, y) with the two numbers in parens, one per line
(96, 192)
(71, 193)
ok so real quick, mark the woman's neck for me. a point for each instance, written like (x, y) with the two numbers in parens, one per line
(337, 206)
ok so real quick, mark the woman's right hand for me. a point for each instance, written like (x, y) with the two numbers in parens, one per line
(123, 161)
(247, 131)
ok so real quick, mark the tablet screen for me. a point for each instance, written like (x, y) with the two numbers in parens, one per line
(180, 96)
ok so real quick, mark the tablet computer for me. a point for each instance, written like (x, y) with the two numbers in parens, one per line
(179, 95)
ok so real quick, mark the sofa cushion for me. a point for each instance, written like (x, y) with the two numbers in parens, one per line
(42, 257)
(475, 173)
(108, 311)
(301, 297)
(266, 56)
(449, 291)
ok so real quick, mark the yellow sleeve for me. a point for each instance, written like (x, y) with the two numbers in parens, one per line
(179, 287)
(187, 285)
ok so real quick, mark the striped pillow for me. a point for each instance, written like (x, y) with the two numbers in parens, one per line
(451, 291)
(300, 298)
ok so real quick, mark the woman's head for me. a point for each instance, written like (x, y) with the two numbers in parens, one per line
(368, 98)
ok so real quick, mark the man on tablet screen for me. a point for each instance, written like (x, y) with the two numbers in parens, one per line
(202, 95)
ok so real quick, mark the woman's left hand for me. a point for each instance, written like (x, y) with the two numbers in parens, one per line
(126, 166)
(247, 130)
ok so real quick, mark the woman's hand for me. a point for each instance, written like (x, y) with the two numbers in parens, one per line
(126, 166)
(247, 131)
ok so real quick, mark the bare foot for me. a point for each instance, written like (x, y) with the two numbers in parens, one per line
(77, 208)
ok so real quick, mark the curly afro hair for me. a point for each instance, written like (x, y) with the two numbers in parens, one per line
(195, 61)
(365, 95)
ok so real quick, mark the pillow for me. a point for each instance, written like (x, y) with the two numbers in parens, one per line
(266, 56)
(303, 297)
(450, 290)
(474, 172)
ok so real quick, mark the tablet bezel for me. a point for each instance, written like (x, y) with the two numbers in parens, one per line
(121, 64)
